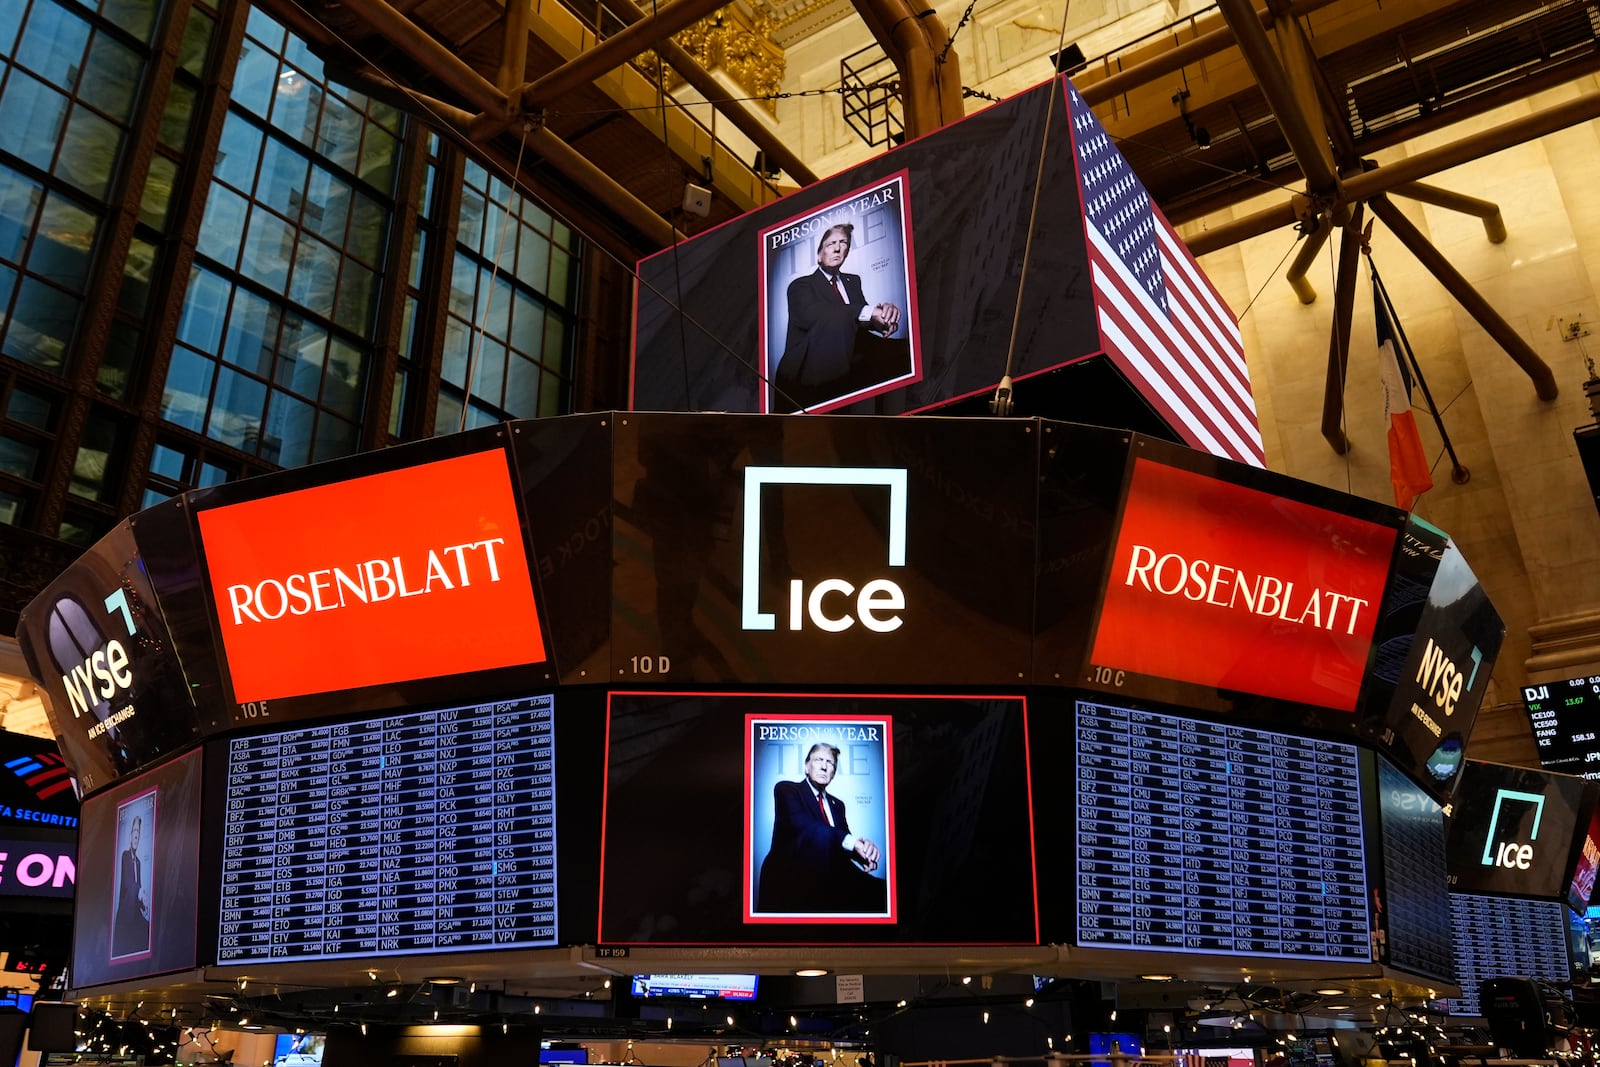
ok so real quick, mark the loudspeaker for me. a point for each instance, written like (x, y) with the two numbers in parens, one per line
(1068, 59)
(53, 1026)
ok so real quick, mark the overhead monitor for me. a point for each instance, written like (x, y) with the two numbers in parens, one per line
(138, 863)
(1199, 837)
(419, 832)
(1415, 913)
(696, 986)
(1565, 717)
(817, 819)
(1497, 936)
(1512, 831)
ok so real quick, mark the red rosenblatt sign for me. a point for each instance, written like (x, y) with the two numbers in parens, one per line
(393, 577)
(1223, 586)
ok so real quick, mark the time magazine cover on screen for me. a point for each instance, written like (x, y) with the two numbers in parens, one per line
(820, 819)
(838, 301)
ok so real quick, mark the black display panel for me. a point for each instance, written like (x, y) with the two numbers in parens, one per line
(923, 836)
(847, 551)
(424, 832)
(138, 870)
(1263, 829)
(1437, 641)
(1415, 915)
(1512, 831)
(1496, 936)
(1566, 723)
(99, 643)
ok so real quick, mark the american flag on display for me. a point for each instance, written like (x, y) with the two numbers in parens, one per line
(1161, 322)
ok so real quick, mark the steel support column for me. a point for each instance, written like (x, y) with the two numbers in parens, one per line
(1544, 382)
(1296, 274)
(1344, 301)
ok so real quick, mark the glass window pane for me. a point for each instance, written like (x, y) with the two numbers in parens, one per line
(533, 258)
(10, 23)
(52, 44)
(19, 199)
(358, 291)
(138, 17)
(153, 496)
(61, 247)
(290, 424)
(297, 52)
(368, 222)
(254, 78)
(489, 374)
(252, 333)
(341, 389)
(204, 303)
(397, 401)
(157, 195)
(527, 325)
(453, 357)
(316, 273)
(339, 137)
(183, 400)
(221, 226)
(167, 462)
(236, 412)
(335, 438)
(118, 362)
(327, 206)
(560, 266)
(469, 229)
(196, 46)
(31, 408)
(113, 79)
(89, 152)
(549, 395)
(31, 117)
(176, 116)
(238, 152)
(379, 150)
(268, 249)
(447, 415)
(19, 459)
(11, 510)
(92, 465)
(419, 249)
(522, 388)
(211, 474)
(408, 328)
(137, 273)
(8, 285)
(283, 178)
(263, 28)
(300, 357)
(298, 105)
(555, 342)
(41, 325)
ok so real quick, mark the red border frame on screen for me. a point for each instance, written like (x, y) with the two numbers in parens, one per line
(902, 177)
(1019, 699)
(150, 944)
(886, 722)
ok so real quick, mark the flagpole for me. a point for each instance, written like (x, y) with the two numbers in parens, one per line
(1458, 473)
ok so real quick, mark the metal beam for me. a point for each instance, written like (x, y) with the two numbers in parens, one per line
(437, 59)
(1254, 225)
(1296, 274)
(1310, 149)
(1473, 146)
(615, 50)
(1344, 300)
(1544, 382)
(1494, 225)
(514, 46)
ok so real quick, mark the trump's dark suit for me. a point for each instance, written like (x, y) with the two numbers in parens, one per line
(808, 869)
(820, 340)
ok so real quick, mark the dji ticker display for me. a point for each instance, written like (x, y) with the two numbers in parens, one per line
(1566, 722)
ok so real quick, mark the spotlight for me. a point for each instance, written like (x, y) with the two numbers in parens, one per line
(363, 1029)
(966, 979)
(1028, 1003)
(985, 1017)
(394, 991)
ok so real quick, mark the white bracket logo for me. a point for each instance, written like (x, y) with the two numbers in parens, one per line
(875, 596)
(1509, 853)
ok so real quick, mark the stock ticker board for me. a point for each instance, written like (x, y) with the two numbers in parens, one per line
(1566, 725)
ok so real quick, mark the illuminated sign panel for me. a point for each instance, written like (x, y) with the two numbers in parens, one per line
(1513, 831)
(408, 574)
(1222, 585)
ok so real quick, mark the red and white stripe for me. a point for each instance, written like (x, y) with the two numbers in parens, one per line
(1189, 366)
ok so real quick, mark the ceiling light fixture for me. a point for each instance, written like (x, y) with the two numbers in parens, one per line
(810, 972)
(445, 979)
(1156, 977)
(1330, 992)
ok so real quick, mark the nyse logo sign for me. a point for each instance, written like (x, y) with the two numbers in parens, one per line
(1441, 679)
(1511, 853)
(832, 604)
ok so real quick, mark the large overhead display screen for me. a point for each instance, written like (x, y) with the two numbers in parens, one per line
(1497, 936)
(1566, 722)
(1199, 837)
(430, 831)
(1227, 587)
(812, 819)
